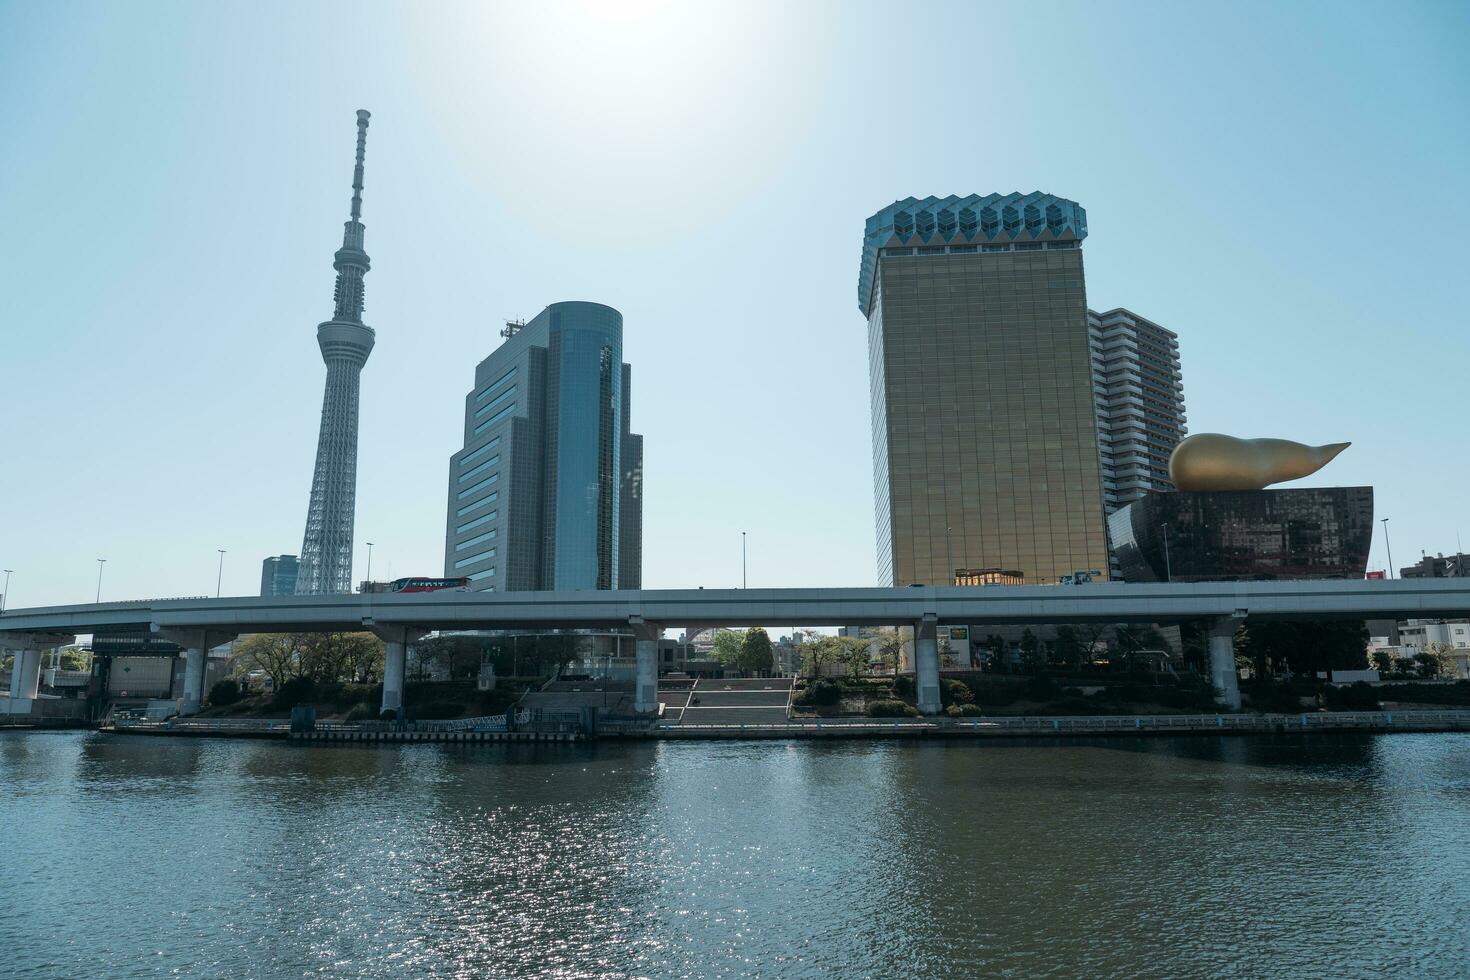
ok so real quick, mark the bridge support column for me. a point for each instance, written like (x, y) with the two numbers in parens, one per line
(1223, 673)
(395, 653)
(25, 673)
(193, 681)
(196, 644)
(645, 676)
(926, 665)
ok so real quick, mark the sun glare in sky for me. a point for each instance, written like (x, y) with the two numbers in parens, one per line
(629, 103)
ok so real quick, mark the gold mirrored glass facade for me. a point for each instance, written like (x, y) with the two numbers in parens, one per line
(984, 429)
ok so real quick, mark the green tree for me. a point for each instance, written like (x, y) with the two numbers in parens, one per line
(818, 651)
(1030, 651)
(277, 655)
(755, 652)
(1305, 647)
(1428, 664)
(856, 655)
(996, 644)
(728, 647)
(890, 648)
(1383, 662)
(1068, 647)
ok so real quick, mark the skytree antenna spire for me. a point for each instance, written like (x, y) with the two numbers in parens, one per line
(345, 342)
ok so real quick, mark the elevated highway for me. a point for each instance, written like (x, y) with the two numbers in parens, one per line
(196, 624)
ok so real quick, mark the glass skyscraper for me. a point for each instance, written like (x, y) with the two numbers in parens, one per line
(985, 450)
(546, 493)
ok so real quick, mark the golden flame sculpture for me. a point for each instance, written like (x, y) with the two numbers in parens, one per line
(1211, 461)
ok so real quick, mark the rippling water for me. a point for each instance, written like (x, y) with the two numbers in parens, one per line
(135, 856)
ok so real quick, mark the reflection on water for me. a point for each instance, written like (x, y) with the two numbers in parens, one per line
(1282, 855)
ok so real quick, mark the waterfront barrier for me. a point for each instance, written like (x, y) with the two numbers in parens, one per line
(1082, 725)
(567, 729)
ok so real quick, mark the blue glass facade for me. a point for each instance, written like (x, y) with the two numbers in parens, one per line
(552, 402)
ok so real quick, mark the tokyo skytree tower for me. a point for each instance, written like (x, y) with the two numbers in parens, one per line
(326, 550)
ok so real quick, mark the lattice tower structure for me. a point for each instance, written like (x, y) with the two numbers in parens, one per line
(345, 342)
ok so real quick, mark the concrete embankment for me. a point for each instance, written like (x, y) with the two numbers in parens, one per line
(834, 728)
(1078, 726)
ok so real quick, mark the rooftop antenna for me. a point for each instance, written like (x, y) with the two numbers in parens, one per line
(513, 327)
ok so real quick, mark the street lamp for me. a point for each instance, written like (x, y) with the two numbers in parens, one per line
(5, 595)
(949, 557)
(1168, 569)
(370, 562)
(100, 563)
(742, 559)
(219, 579)
(1388, 546)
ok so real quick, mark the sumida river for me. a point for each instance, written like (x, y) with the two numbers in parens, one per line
(1169, 857)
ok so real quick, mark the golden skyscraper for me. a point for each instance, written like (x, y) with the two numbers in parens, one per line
(985, 450)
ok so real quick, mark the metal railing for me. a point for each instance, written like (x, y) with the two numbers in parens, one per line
(1307, 721)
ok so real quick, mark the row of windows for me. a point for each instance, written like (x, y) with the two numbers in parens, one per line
(495, 401)
(471, 491)
(492, 461)
(467, 460)
(480, 539)
(495, 418)
(477, 522)
(487, 573)
(962, 249)
(475, 559)
(471, 508)
(484, 392)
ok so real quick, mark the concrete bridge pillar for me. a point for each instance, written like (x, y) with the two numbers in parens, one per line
(25, 673)
(926, 664)
(196, 644)
(645, 677)
(1223, 673)
(395, 653)
(193, 681)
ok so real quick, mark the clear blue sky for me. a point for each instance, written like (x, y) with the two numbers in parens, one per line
(1283, 184)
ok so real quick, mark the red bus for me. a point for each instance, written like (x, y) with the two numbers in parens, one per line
(427, 584)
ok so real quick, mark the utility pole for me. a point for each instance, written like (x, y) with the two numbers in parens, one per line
(5, 595)
(742, 559)
(100, 563)
(219, 579)
(370, 562)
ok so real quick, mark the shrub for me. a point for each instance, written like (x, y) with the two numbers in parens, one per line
(224, 692)
(997, 695)
(389, 715)
(952, 692)
(891, 708)
(1353, 697)
(362, 711)
(1041, 688)
(903, 685)
(824, 692)
(970, 710)
(298, 690)
(953, 711)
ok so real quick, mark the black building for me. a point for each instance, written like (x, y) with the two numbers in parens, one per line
(1243, 535)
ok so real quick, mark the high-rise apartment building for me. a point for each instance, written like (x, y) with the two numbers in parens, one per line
(985, 447)
(547, 492)
(278, 575)
(1139, 391)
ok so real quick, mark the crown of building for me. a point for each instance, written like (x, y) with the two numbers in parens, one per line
(976, 219)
